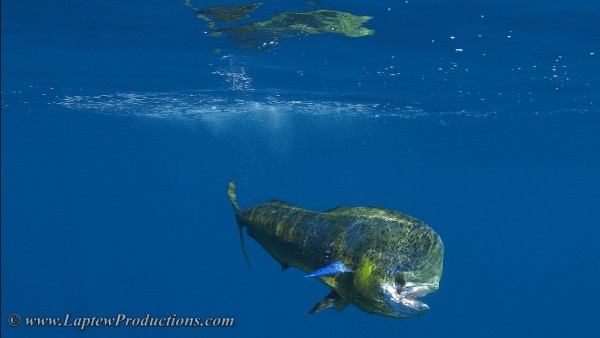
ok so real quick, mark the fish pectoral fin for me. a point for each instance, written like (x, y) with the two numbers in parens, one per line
(332, 299)
(331, 269)
(341, 304)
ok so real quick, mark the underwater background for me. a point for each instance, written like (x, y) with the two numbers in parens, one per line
(123, 122)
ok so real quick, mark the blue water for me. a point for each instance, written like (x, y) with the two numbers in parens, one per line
(121, 127)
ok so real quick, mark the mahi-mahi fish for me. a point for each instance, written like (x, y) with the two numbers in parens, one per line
(382, 261)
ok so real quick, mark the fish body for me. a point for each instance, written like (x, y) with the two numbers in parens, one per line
(377, 259)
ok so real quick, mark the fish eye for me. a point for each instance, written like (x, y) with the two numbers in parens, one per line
(400, 281)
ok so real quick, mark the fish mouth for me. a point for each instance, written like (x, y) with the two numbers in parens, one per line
(404, 299)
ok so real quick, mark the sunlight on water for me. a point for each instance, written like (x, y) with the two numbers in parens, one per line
(211, 106)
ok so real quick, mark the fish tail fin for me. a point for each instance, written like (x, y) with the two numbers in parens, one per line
(236, 209)
(233, 197)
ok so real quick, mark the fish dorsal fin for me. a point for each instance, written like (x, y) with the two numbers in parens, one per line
(274, 201)
(331, 269)
(363, 209)
(337, 209)
(332, 299)
(280, 203)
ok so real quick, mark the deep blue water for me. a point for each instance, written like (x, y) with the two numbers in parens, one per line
(121, 127)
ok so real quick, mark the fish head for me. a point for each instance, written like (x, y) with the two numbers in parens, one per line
(390, 282)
